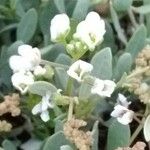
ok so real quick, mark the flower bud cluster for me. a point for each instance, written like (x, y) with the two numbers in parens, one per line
(89, 33)
(25, 66)
(81, 139)
(141, 71)
(10, 105)
(5, 126)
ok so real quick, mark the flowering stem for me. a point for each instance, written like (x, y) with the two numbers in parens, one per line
(45, 62)
(68, 92)
(138, 72)
(139, 128)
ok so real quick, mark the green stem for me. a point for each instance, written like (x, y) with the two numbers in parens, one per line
(140, 127)
(132, 18)
(68, 92)
(53, 64)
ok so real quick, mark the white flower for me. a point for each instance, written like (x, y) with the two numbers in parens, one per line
(43, 106)
(121, 111)
(27, 59)
(122, 100)
(91, 30)
(78, 69)
(60, 27)
(21, 81)
(39, 71)
(103, 87)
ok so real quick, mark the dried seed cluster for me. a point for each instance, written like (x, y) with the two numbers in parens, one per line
(10, 105)
(141, 71)
(5, 126)
(81, 139)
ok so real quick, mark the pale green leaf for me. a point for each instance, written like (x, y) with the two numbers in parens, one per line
(137, 41)
(60, 4)
(8, 145)
(95, 135)
(118, 136)
(27, 26)
(123, 65)
(102, 62)
(122, 5)
(142, 9)
(41, 87)
(55, 141)
(81, 9)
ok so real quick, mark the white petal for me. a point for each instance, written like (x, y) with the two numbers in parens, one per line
(21, 81)
(18, 63)
(122, 100)
(56, 30)
(126, 118)
(97, 87)
(39, 71)
(24, 50)
(45, 116)
(36, 109)
(78, 69)
(32, 55)
(109, 87)
(118, 111)
(91, 30)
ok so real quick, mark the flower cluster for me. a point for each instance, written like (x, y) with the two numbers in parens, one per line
(80, 69)
(25, 66)
(121, 111)
(89, 33)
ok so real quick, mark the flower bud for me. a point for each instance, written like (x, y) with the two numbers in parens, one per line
(60, 27)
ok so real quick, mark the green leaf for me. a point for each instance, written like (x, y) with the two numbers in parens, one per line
(147, 129)
(41, 87)
(61, 78)
(142, 9)
(116, 23)
(51, 52)
(147, 17)
(27, 26)
(63, 59)
(58, 126)
(136, 42)
(121, 5)
(81, 9)
(65, 147)
(84, 91)
(5, 71)
(118, 135)
(8, 145)
(55, 141)
(123, 65)
(47, 12)
(95, 135)
(60, 5)
(13, 49)
(102, 62)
